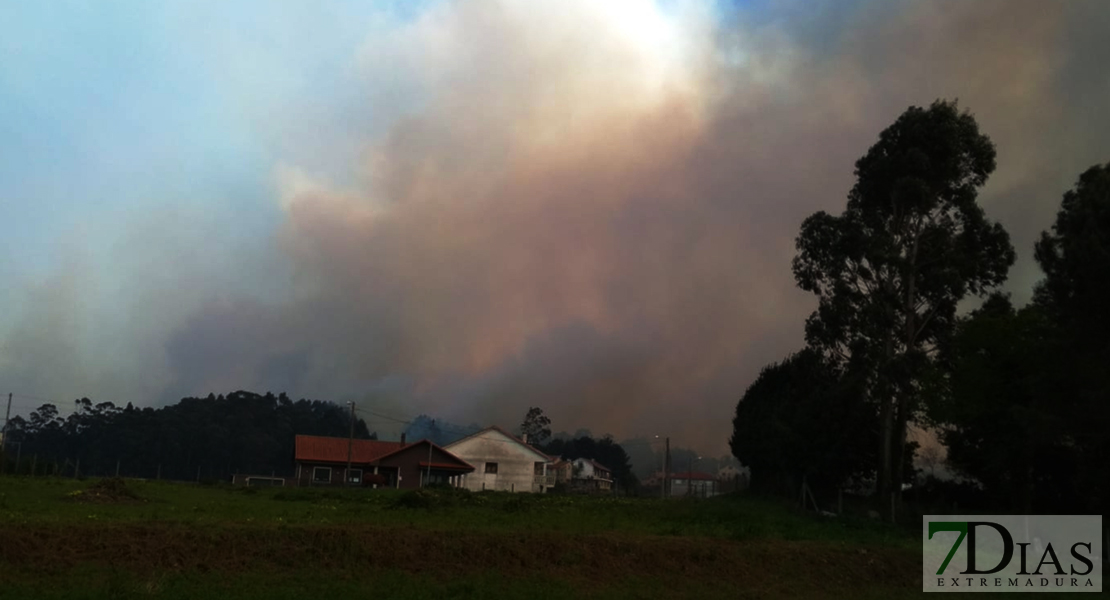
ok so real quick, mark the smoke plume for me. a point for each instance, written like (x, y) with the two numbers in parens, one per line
(591, 207)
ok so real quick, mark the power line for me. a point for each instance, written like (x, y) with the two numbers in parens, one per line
(37, 398)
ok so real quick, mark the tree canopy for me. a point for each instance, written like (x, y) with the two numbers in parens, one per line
(891, 270)
(1002, 419)
(242, 432)
(536, 426)
(801, 419)
(1075, 294)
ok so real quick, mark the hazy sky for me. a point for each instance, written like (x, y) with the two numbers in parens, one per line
(469, 208)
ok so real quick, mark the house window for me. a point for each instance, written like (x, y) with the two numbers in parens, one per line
(354, 476)
(491, 468)
(321, 475)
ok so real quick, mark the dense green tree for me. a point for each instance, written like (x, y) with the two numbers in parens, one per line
(800, 418)
(536, 426)
(1075, 295)
(1003, 420)
(890, 271)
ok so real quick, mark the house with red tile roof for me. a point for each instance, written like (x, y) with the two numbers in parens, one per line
(323, 461)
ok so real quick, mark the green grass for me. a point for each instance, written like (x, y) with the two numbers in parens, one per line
(50, 501)
(189, 541)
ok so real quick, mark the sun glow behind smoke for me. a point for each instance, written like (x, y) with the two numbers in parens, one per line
(587, 206)
(494, 215)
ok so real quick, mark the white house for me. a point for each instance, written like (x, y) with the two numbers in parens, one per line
(591, 475)
(503, 462)
(728, 472)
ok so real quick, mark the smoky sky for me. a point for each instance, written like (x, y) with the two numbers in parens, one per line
(587, 207)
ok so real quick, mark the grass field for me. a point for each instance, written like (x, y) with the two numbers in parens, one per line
(61, 540)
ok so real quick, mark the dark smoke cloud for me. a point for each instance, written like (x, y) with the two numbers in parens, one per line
(597, 217)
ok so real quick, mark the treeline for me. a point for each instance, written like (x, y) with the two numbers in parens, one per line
(1019, 396)
(207, 438)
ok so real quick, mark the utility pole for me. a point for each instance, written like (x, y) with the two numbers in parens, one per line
(666, 467)
(663, 477)
(4, 435)
(428, 471)
(350, 444)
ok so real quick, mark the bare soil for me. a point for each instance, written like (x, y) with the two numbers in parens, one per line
(143, 548)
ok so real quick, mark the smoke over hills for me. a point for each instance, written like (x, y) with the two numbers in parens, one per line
(584, 206)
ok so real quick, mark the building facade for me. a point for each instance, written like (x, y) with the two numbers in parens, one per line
(562, 469)
(591, 476)
(503, 462)
(322, 461)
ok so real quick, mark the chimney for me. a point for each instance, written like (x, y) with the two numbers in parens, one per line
(524, 437)
(402, 438)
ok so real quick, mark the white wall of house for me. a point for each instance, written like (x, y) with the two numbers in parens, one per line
(515, 462)
(587, 475)
(583, 469)
(728, 472)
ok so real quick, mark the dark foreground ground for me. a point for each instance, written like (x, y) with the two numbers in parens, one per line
(73, 539)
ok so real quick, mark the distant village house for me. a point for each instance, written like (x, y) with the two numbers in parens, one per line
(591, 476)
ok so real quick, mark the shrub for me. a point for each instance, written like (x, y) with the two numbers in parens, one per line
(108, 490)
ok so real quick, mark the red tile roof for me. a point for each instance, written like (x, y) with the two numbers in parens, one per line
(313, 448)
